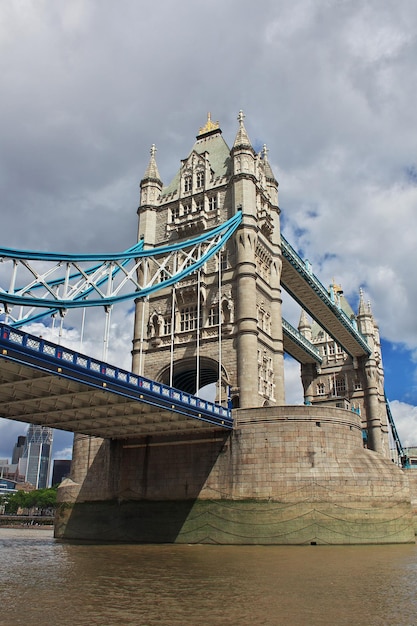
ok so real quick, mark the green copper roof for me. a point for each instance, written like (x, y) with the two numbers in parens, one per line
(218, 154)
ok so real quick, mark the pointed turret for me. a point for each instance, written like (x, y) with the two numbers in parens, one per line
(361, 308)
(244, 169)
(304, 325)
(374, 375)
(365, 318)
(271, 181)
(150, 190)
(242, 140)
(267, 167)
(151, 172)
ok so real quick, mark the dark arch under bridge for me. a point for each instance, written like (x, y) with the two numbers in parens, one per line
(184, 375)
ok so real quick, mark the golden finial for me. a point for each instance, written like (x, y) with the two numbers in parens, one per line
(209, 126)
(337, 288)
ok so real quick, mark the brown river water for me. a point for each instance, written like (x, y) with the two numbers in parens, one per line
(46, 582)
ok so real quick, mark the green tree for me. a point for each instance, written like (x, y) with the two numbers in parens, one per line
(42, 499)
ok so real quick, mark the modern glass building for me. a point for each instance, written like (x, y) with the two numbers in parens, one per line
(37, 455)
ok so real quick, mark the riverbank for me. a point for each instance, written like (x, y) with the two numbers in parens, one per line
(24, 521)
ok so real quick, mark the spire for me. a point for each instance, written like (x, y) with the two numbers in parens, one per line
(242, 138)
(267, 168)
(152, 169)
(361, 308)
(304, 325)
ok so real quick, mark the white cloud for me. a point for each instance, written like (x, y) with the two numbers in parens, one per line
(293, 387)
(63, 453)
(405, 418)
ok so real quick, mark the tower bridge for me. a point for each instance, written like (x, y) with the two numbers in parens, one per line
(152, 460)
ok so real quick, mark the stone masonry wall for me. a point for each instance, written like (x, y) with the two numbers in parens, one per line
(284, 475)
(412, 480)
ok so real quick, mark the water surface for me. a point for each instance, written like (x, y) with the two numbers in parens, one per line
(43, 581)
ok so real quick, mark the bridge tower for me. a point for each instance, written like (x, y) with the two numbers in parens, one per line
(347, 382)
(283, 474)
(223, 323)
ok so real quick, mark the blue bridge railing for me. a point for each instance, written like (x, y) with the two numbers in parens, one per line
(41, 354)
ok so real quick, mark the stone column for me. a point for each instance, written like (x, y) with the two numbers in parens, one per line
(276, 332)
(372, 403)
(247, 339)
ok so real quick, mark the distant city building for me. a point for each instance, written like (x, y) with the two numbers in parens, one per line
(7, 486)
(61, 470)
(36, 458)
(18, 449)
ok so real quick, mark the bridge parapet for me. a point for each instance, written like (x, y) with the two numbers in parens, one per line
(25, 349)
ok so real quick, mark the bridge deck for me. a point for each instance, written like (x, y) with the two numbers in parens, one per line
(307, 290)
(43, 383)
(297, 346)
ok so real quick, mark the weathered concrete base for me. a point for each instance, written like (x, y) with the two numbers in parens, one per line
(286, 475)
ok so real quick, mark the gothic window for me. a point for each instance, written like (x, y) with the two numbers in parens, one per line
(357, 384)
(213, 317)
(200, 179)
(188, 183)
(167, 325)
(324, 349)
(175, 213)
(265, 376)
(320, 389)
(212, 203)
(187, 208)
(331, 348)
(199, 205)
(340, 385)
(188, 318)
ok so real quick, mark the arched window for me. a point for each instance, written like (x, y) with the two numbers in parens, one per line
(200, 179)
(188, 183)
(340, 385)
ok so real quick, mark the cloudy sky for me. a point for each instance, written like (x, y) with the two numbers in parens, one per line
(329, 85)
